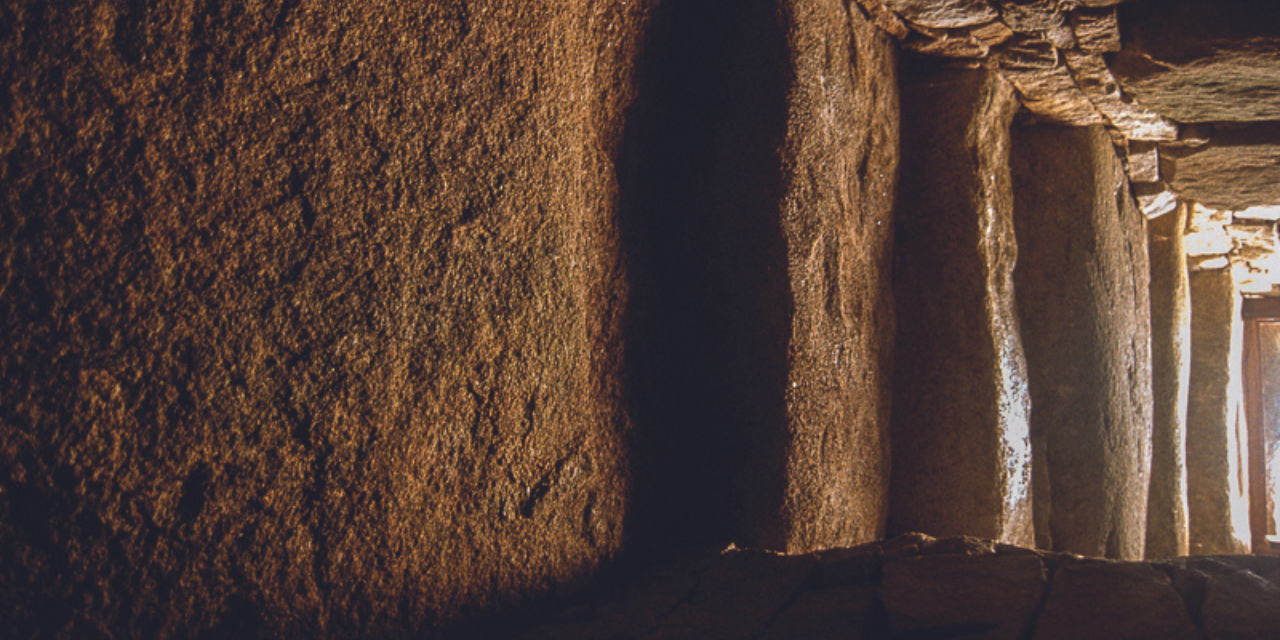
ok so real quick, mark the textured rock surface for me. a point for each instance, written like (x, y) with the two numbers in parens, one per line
(944, 13)
(1240, 604)
(1111, 601)
(1170, 371)
(917, 587)
(1217, 503)
(961, 459)
(309, 320)
(1228, 176)
(313, 317)
(947, 593)
(758, 181)
(1090, 72)
(1203, 60)
(1269, 348)
(1082, 283)
(840, 166)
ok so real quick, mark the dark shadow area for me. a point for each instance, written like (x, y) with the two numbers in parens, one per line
(709, 310)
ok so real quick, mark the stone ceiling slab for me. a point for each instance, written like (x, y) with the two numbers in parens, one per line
(1203, 60)
(1228, 177)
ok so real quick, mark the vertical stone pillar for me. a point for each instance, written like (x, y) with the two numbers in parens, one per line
(1083, 300)
(961, 454)
(1269, 361)
(1170, 370)
(1217, 491)
(839, 166)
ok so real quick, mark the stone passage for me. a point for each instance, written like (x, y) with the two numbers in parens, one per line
(757, 175)
(914, 586)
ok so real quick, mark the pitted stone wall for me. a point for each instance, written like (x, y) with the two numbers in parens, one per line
(310, 312)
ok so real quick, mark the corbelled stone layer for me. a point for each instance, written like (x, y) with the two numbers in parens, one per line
(1051, 51)
(1238, 169)
(1203, 60)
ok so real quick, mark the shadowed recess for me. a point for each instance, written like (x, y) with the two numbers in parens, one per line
(709, 312)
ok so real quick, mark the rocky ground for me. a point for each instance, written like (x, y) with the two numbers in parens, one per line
(918, 587)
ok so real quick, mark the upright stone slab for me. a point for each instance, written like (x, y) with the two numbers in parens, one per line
(1269, 350)
(1217, 493)
(1082, 283)
(1170, 370)
(310, 313)
(758, 177)
(961, 455)
(840, 167)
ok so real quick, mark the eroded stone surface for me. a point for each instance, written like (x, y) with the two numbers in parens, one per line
(757, 194)
(1096, 30)
(961, 459)
(1203, 60)
(1083, 300)
(1113, 601)
(1240, 604)
(943, 14)
(1046, 85)
(1217, 504)
(840, 161)
(1229, 176)
(310, 324)
(1170, 373)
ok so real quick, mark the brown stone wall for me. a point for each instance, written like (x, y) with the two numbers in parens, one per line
(840, 163)
(1269, 350)
(1217, 502)
(961, 457)
(1170, 370)
(309, 311)
(1083, 299)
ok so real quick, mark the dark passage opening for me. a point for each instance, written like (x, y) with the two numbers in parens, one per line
(709, 311)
